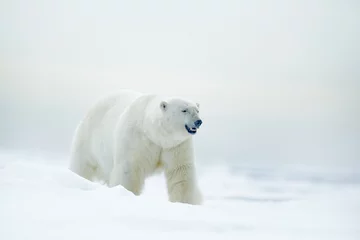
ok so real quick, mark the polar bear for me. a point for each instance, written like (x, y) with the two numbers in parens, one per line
(128, 136)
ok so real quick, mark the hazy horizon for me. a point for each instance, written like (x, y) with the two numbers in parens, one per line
(278, 82)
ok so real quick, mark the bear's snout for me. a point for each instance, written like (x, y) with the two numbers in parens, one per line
(198, 123)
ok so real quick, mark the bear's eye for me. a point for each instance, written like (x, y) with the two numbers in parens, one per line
(184, 111)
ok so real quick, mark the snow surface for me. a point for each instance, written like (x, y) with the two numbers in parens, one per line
(41, 199)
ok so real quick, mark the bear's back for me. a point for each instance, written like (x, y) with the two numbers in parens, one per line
(102, 119)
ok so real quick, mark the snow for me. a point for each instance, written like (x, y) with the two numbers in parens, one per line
(41, 199)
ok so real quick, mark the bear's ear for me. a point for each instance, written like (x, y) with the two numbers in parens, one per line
(163, 105)
(198, 105)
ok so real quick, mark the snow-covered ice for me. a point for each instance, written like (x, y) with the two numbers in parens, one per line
(41, 199)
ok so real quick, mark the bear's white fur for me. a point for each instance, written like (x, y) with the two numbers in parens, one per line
(127, 137)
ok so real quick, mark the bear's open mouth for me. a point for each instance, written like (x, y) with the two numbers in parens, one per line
(190, 130)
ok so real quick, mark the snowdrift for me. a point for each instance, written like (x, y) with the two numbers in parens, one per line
(42, 199)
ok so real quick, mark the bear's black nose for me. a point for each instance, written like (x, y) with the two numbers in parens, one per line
(198, 123)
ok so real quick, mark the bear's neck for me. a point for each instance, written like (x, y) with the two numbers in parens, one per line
(156, 131)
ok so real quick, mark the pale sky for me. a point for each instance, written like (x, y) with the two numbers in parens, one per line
(278, 81)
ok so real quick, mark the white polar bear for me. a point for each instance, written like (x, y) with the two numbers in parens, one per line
(129, 136)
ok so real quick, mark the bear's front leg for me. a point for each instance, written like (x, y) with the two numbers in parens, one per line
(129, 169)
(181, 175)
(130, 177)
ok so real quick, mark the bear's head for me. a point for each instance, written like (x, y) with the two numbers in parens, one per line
(180, 117)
